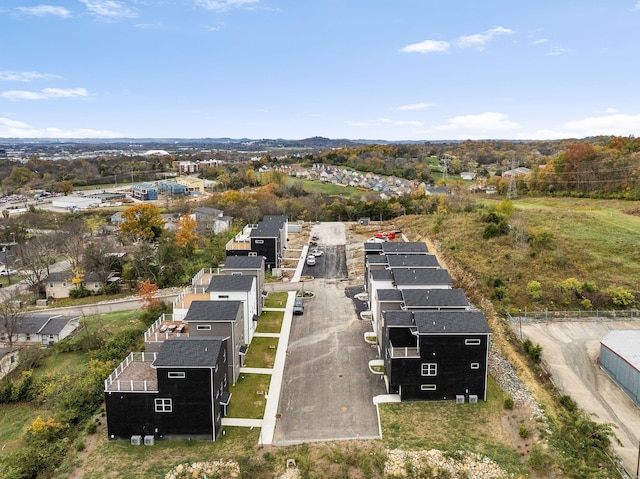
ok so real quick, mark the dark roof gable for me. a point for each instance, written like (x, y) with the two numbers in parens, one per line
(189, 352)
(213, 311)
(230, 283)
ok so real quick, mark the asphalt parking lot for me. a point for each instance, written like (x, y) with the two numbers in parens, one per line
(327, 389)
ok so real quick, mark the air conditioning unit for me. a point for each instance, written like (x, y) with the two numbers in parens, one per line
(460, 399)
(149, 440)
(473, 398)
(136, 440)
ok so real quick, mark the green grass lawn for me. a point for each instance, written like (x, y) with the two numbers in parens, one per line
(261, 353)
(276, 300)
(14, 419)
(450, 427)
(248, 398)
(270, 322)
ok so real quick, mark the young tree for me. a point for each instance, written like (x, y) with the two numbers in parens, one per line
(142, 222)
(99, 258)
(186, 236)
(10, 316)
(147, 292)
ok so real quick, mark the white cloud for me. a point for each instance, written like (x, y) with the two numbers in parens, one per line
(384, 121)
(44, 94)
(636, 7)
(415, 106)
(25, 76)
(484, 121)
(540, 41)
(555, 51)
(18, 129)
(42, 10)
(480, 39)
(427, 46)
(110, 9)
(223, 5)
(617, 124)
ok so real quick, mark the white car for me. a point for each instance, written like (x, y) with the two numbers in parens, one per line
(316, 252)
(7, 272)
(311, 260)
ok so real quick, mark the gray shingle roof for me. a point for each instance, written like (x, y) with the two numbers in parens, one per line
(212, 311)
(376, 259)
(398, 318)
(37, 324)
(389, 295)
(410, 247)
(371, 247)
(230, 283)
(189, 352)
(416, 298)
(243, 262)
(451, 322)
(423, 276)
(381, 275)
(412, 261)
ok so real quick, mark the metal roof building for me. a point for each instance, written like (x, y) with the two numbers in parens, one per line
(620, 359)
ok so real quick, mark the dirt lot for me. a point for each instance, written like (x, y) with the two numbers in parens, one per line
(570, 352)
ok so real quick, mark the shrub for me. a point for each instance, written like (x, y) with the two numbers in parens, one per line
(568, 403)
(508, 402)
(534, 290)
(523, 431)
(533, 351)
(619, 297)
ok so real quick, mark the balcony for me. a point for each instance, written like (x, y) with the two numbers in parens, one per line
(398, 352)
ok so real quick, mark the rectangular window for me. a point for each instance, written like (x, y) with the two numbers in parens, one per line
(429, 369)
(472, 342)
(223, 296)
(475, 365)
(253, 253)
(164, 405)
(176, 375)
(428, 387)
(259, 241)
(203, 327)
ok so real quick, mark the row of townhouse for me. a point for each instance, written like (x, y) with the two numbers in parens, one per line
(267, 238)
(179, 386)
(434, 345)
(387, 185)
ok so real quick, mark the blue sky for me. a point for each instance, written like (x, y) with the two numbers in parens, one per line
(359, 69)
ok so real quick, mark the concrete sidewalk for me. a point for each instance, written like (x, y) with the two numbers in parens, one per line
(271, 409)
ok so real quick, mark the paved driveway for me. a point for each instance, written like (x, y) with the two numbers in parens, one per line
(327, 390)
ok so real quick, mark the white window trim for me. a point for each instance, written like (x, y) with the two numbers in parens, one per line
(203, 327)
(176, 374)
(258, 241)
(429, 369)
(475, 365)
(472, 342)
(164, 405)
(427, 387)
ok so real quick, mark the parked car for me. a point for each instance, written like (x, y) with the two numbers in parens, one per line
(298, 306)
(311, 260)
(316, 252)
(7, 272)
